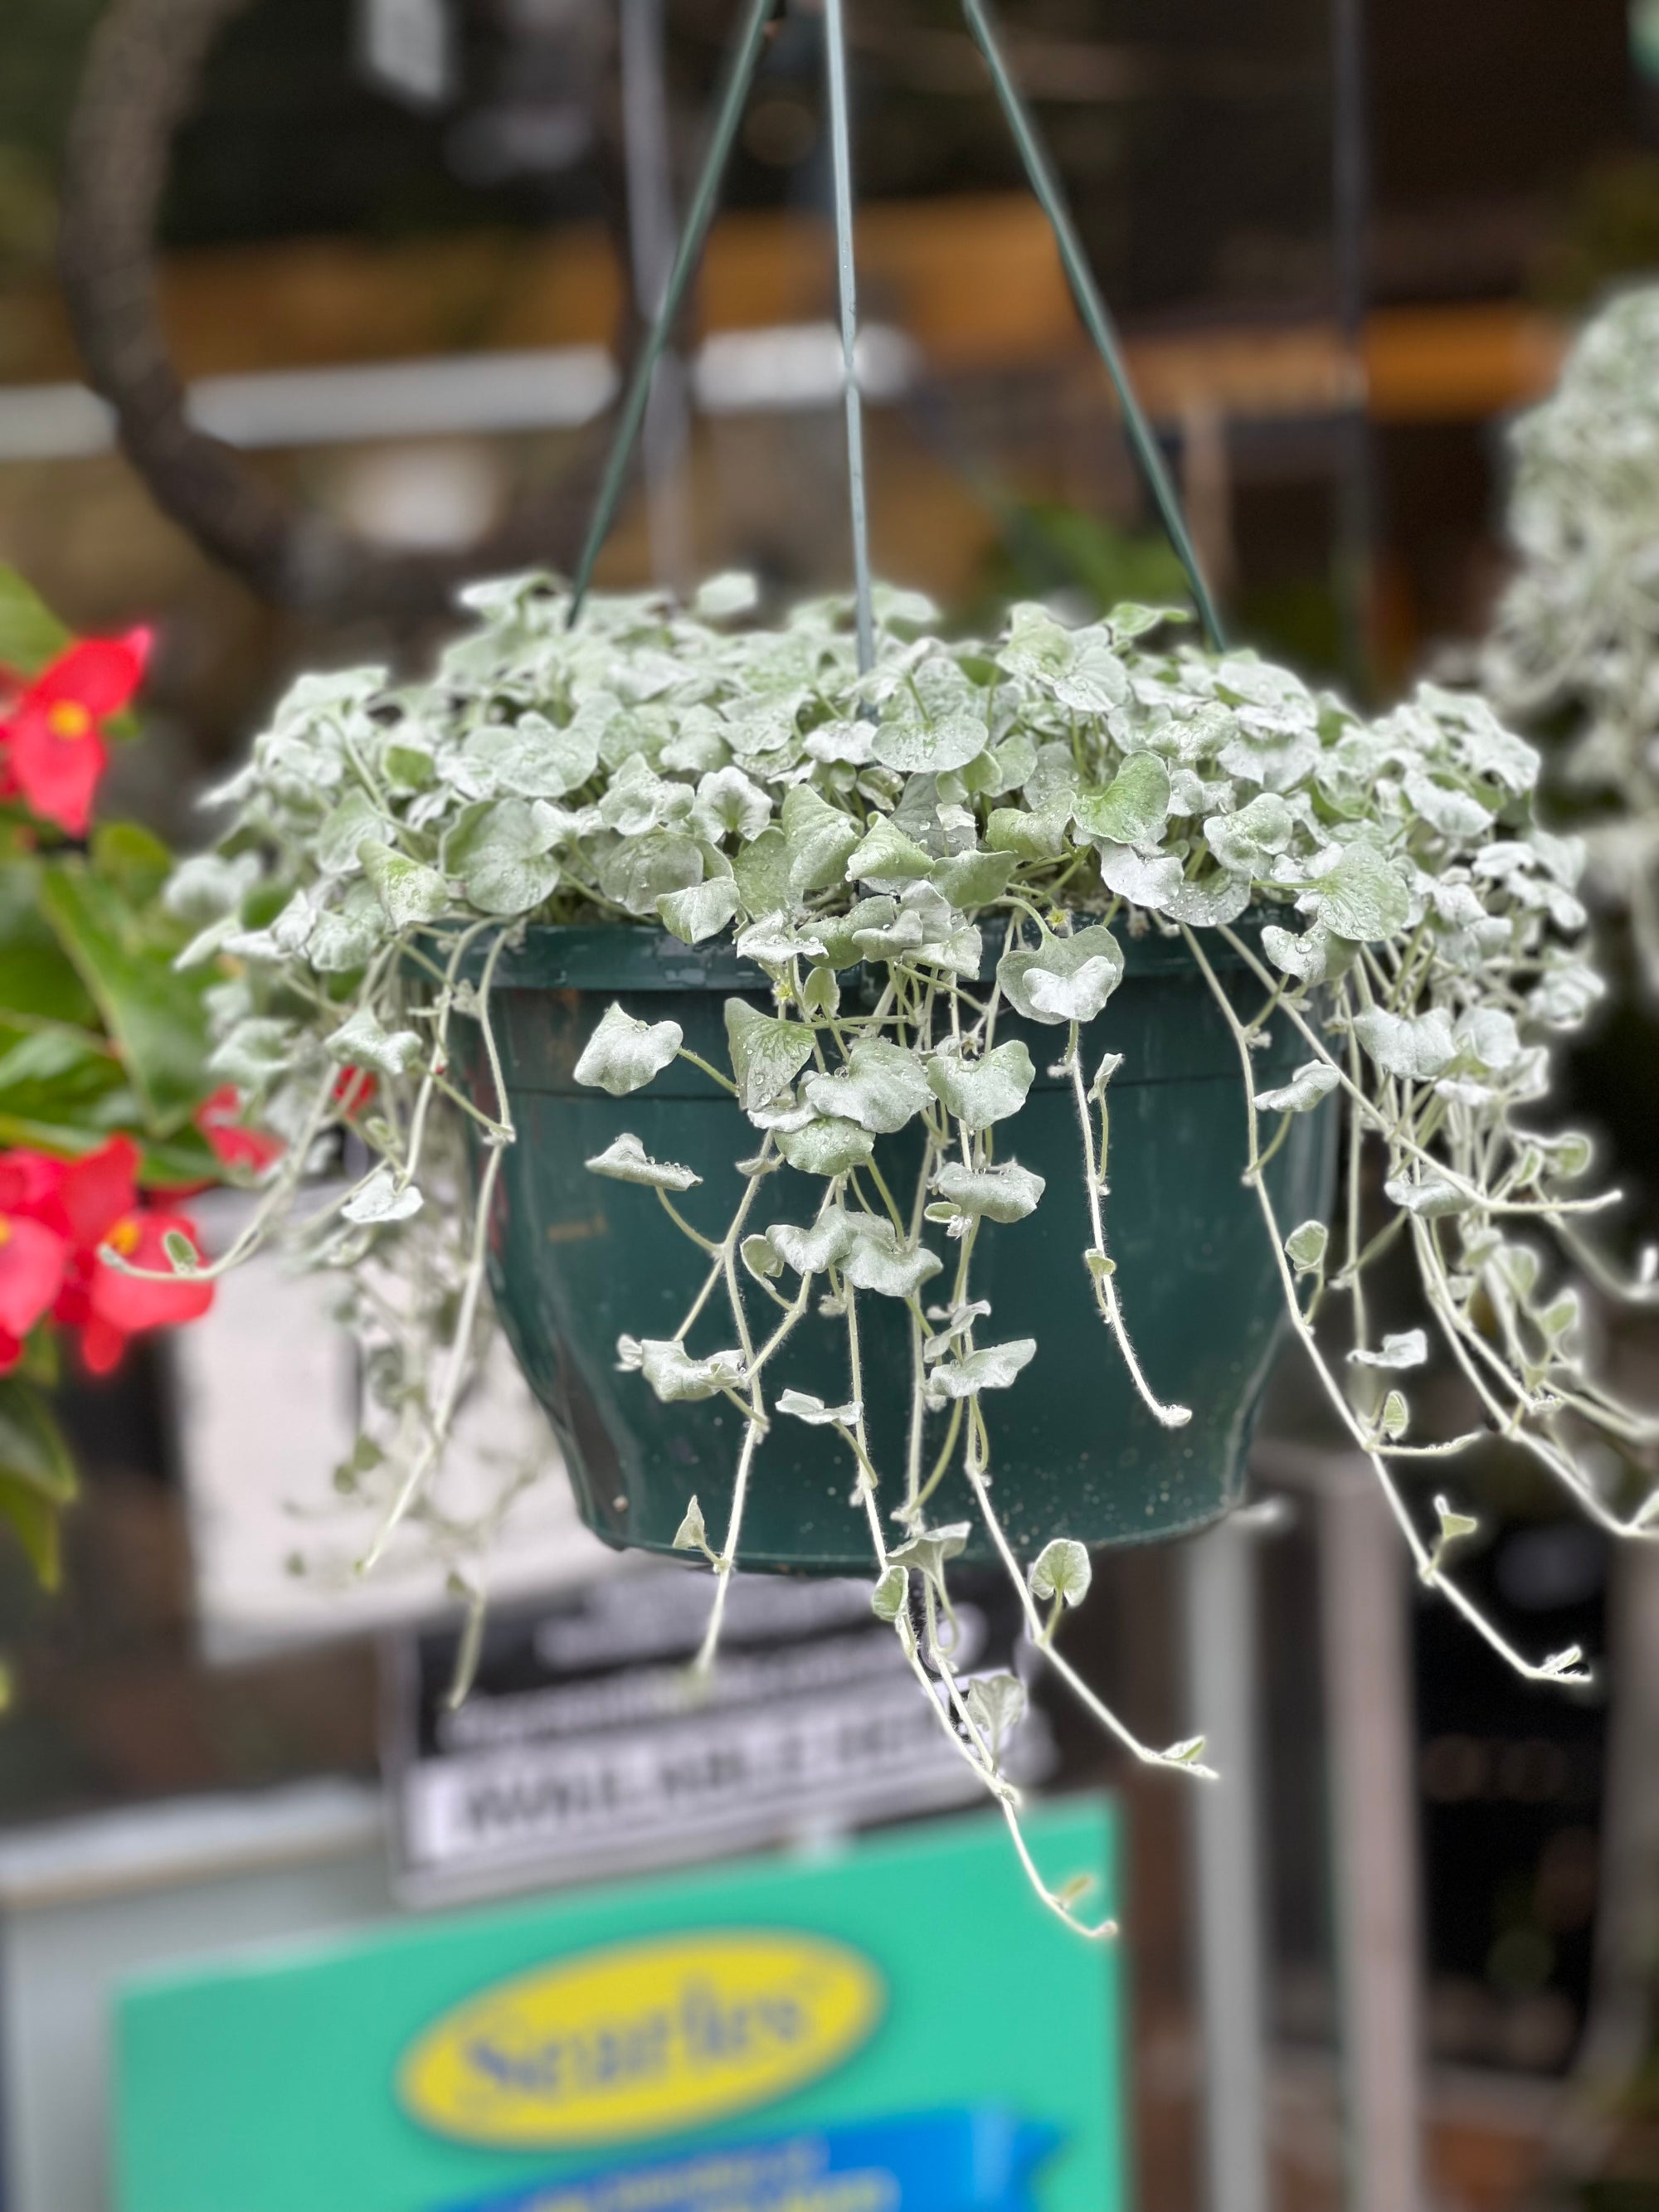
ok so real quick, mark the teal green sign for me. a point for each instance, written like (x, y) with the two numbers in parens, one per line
(901, 2027)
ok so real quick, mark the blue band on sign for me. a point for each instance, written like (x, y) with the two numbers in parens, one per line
(978, 2160)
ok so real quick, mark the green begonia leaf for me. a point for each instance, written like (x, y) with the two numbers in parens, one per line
(155, 1015)
(37, 1475)
(30, 634)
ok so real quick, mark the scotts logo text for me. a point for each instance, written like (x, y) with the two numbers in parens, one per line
(642, 2039)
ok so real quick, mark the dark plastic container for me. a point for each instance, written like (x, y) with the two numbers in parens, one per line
(577, 1260)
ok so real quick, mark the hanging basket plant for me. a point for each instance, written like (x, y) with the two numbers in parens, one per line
(887, 1086)
(894, 1107)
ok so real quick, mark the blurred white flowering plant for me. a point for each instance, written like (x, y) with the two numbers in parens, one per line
(1574, 652)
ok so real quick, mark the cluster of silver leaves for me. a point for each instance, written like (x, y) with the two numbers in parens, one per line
(1058, 786)
(1575, 649)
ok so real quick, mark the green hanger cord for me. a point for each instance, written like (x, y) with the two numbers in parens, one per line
(1045, 183)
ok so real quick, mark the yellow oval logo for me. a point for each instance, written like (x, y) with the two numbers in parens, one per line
(642, 2038)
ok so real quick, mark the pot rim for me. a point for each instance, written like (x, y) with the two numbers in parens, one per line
(643, 956)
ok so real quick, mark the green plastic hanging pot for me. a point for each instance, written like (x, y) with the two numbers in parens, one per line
(576, 1262)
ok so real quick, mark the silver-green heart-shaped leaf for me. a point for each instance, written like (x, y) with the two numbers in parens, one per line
(1418, 1047)
(802, 1406)
(992, 1367)
(762, 869)
(880, 1087)
(929, 1551)
(826, 1148)
(891, 1591)
(1005, 1193)
(996, 1705)
(887, 856)
(1065, 979)
(981, 1092)
(500, 850)
(343, 831)
(973, 879)
(1133, 808)
(820, 838)
(875, 1260)
(1062, 1569)
(677, 1378)
(625, 1159)
(1037, 834)
(729, 804)
(362, 1043)
(623, 1054)
(692, 1534)
(382, 1199)
(701, 910)
(719, 598)
(766, 1052)
(810, 1251)
(1153, 883)
(1362, 897)
(919, 748)
(533, 759)
(1306, 1245)
(410, 893)
(1311, 1083)
(1399, 1349)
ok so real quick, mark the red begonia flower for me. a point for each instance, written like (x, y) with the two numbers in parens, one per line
(55, 751)
(29, 1183)
(119, 1305)
(32, 1264)
(353, 1088)
(219, 1118)
(95, 1192)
